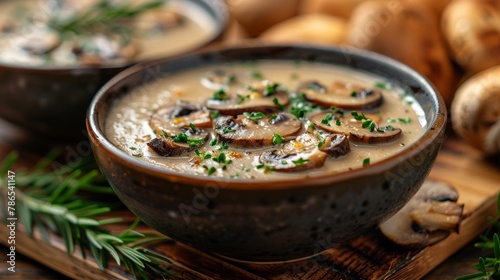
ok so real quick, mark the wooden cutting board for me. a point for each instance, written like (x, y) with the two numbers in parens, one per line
(368, 257)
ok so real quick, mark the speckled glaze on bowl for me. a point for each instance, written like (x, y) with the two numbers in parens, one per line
(53, 101)
(257, 220)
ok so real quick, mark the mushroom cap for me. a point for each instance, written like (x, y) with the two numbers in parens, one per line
(475, 111)
(334, 145)
(341, 95)
(285, 160)
(256, 98)
(352, 128)
(430, 216)
(246, 133)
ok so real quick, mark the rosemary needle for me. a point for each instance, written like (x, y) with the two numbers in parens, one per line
(55, 201)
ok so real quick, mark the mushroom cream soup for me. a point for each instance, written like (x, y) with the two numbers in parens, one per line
(266, 119)
(92, 32)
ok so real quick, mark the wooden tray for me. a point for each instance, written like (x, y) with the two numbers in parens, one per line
(368, 257)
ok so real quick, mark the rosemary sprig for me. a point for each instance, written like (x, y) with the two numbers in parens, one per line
(488, 267)
(104, 15)
(57, 201)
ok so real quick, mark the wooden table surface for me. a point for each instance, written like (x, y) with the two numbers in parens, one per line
(458, 264)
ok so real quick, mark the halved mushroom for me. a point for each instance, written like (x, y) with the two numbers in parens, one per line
(244, 132)
(179, 128)
(341, 95)
(429, 217)
(265, 97)
(359, 127)
(334, 145)
(218, 79)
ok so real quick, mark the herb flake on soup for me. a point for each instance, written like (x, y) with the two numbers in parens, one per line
(267, 119)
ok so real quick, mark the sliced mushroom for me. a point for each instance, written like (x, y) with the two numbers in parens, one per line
(359, 131)
(218, 79)
(301, 153)
(265, 97)
(341, 95)
(334, 145)
(40, 41)
(179, 128)
(172, 117)
(429, 217)
(243, 132)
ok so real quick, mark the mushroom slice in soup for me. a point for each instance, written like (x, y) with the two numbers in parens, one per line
(295, 155)
(430, 216)
(218, 79)
(360, 128)
(179, 127)
(264, 96)
(40, 41)
(247, 132)
(334, 145)
(178, 144)
(171, 118)
(341, 95)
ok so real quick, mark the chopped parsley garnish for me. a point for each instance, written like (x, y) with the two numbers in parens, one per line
(138, 155)
(277, 103)
(133, 148)
(338, 123)
(382, 85)
(254, 116)
(409, 103)
(154, 131)
(221, 94)
(223, 146)
(211, 170)
(164, 133)
(235, 175)
(228, 130)
(257, 75)
(366, 122)
(231, 79)
(300, 106)
(270, 89)
(214, 114)
(213, 142)
(203, 155)
(193, 128)
(300, 161)
(354, 93)
(321, 143)
(284, 162)
(326, 120)
(246, 169)
(277, 139)
(267, 168)
(366, 161)
(241, 98)
(405, 120)
(183, 138)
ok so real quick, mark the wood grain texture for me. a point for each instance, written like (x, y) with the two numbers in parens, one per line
(368, 257)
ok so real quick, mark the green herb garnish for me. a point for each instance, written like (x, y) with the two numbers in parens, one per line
(405, 120)
(321, 143)
(228, 130)
(366, 161)
(254, 116)
(214, 114)
(193, 127)
(241, 98)
(183, 138)
(257, 75)
(271, 89)
(221, 94)
(277, 139)
(277, 103)
(300, 161)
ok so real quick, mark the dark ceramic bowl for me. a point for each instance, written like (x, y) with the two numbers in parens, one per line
(53, 101)
(259, 220)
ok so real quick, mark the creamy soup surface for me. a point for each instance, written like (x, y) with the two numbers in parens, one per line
(309, 137)
(28, 35)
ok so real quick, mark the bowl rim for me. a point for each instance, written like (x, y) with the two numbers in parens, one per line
(433, 130)
(221, 19)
